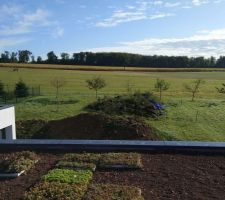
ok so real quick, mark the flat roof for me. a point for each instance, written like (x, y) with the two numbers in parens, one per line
(2, 107)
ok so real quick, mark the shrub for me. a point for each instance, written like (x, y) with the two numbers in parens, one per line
(68, 176)
(21, 89)
(125, 160)
(111, 192)
(136, 104)
(56, 191)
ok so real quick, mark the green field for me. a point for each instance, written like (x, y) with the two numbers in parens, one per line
(180, 122)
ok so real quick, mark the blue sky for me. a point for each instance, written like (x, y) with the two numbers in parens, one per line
(149, 27)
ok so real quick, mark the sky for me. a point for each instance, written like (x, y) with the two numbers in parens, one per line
(148, 27)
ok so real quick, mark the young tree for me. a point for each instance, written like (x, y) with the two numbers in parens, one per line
(96, 84)
(194, 87)
(21, 89)
(160, 86)
(129, 87)
(57, 83)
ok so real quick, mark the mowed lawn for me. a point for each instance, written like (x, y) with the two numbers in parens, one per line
(203, 119)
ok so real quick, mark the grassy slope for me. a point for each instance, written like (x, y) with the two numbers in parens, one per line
(180, 122)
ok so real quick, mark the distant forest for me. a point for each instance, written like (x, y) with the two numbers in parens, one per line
(114, 59)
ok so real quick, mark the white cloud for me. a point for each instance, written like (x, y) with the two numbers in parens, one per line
(119, 17)
(172, 5)
(4, 43)
(133, 13)
(207, 43)
(161, 15)
(18, 21)
(149, 9)
(199, 2)
(23, 24)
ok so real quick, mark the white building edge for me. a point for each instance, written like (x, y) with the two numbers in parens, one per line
(7, 123)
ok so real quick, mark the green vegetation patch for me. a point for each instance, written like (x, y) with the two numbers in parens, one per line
(112, 192)
(82, 157)
(132, 104)
(56, 191)
(76, 165)
(18, 162)
(68, 176)
(120, 160)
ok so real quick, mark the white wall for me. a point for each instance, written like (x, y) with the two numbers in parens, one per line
(7, 122)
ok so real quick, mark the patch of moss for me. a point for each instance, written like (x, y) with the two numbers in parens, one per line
(18, 162)
(76, 165)
(68, 176)
(126, 160)
(56, 191)
(82, 157)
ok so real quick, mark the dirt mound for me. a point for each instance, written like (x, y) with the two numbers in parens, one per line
(97, 126)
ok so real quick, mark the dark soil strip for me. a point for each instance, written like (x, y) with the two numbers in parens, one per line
(167, 176)
(11, 189)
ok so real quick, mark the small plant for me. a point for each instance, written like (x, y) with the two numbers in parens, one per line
(194, 88)
(68, 176)
(160, 86)
(129, 87)
(57, 83)
(96, 84)
(111, 192)
(21, 89)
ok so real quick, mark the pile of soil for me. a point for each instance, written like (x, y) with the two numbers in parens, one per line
(97, 126)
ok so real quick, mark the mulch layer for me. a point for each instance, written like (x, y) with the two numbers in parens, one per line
(164, 176)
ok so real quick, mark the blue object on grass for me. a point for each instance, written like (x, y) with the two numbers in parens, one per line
(156, 105)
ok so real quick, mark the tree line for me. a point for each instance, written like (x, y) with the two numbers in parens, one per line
(114, 59)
